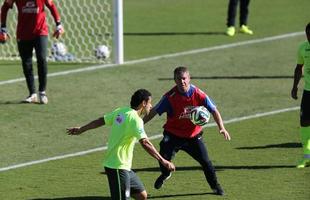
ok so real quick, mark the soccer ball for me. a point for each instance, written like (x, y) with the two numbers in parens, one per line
(59, 49)
(200, 115)
(102, 52)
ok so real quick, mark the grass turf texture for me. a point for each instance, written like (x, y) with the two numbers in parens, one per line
(257, 164)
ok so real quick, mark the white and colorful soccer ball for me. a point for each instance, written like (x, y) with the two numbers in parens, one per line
(102, 52)
(200, 115)
(59, 49)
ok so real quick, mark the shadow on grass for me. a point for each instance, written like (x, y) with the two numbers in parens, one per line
(11, 102)
(283, 145)
(218, 168)
(179, 195)
(173, 33)
(108, 198)
(233, 77)
(18, 102)
(75, 198)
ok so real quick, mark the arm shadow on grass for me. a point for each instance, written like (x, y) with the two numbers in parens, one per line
(282, 145)
(76, 198)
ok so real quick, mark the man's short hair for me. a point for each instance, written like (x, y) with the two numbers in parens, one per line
(138, 97)
(179, 70)
(308, 28)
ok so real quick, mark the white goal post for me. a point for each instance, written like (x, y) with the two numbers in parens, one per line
(87, 24)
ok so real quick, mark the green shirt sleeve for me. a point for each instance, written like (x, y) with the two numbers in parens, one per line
(109, 118)
(139, 129)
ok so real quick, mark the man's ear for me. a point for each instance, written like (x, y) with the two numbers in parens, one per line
(144, 103)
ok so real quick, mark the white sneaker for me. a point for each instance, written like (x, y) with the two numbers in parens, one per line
(43, 98)
(31, 99)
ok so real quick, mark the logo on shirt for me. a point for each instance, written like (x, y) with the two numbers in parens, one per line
(186, 114)
(30, 7)
(119, 118)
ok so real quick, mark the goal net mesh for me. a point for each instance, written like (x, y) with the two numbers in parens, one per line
(87, 24)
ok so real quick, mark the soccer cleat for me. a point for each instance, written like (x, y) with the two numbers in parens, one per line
(31, 99)
(218, 190)
(244, 29)
(303, 163)
(43, 98)
(231, 31)
(160, 181)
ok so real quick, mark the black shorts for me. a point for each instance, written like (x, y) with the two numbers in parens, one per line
(305, 106)
(123, 183)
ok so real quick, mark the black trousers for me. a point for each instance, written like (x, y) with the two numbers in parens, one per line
(25, 48)
(195, 147)
(305, 108)
(232, 12)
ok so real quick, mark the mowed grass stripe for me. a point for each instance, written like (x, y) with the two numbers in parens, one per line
(259, 163)
(258, 115)
(191, 52)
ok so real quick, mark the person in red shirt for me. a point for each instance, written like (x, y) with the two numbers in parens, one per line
(180, 133)
(32, 33)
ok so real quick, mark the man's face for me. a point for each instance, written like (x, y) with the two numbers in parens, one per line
(182, 80)
(147, 106)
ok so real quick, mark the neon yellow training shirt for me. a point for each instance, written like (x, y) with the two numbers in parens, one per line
(303, 58)
(126, 128)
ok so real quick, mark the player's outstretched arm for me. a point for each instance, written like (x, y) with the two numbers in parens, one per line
(219, 121)
(149, 147)
(91, 125)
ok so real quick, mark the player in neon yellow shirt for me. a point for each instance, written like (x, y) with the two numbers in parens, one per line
(126, 128)
(303, 67)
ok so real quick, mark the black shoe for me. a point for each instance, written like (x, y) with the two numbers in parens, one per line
(160, 181)
(218, 190)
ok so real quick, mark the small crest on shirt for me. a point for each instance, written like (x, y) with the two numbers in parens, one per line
(186, 114)
(30, 7)
(119, 118)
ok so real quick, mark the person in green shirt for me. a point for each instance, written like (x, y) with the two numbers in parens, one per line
(303, 67)
(127, 127)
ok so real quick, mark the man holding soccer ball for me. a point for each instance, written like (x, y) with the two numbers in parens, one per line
(303, 67)
(180, 133)
(32, 32)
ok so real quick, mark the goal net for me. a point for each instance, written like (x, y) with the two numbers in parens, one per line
(87, 24)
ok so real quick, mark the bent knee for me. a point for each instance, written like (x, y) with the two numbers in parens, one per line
(140, 196)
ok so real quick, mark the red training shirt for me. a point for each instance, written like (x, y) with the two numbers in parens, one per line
(178, 106)
(31, 17)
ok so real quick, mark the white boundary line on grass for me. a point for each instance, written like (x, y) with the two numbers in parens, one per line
(220, 47)
(258, 115)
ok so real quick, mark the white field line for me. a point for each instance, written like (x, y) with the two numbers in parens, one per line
(196, 51)
(258, 115)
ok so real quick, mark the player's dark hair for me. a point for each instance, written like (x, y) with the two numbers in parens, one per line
(179, 70)
(138, 97)
(308, 28)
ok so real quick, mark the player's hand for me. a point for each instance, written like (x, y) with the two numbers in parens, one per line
(59, 31)
(74, 131)
(225, 133)
(3, 35)
(169, 165)
(294, 93)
